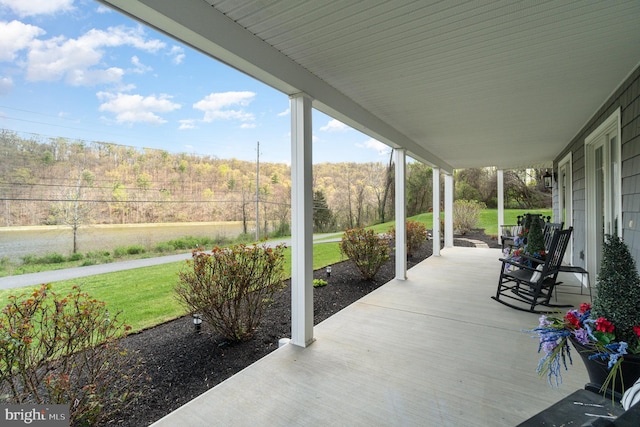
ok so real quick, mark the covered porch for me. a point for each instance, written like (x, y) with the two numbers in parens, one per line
(430, 350)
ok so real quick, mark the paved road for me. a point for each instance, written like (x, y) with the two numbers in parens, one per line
(34, 279)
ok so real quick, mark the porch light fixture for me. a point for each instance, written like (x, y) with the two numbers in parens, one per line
(548, 181)
(197, 322)
(328, 271)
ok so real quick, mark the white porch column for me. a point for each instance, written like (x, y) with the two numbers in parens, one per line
(301, 222)
(448, 211)
(500, 176)
(436, 211)
(401, 214)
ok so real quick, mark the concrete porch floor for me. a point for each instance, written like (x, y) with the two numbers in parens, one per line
(433, 350)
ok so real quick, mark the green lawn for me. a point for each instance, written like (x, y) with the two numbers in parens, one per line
(145, 296)
(488, 219)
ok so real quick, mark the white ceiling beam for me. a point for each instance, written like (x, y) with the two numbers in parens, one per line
(197, 24)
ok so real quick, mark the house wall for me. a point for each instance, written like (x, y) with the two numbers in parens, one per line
(627, 98)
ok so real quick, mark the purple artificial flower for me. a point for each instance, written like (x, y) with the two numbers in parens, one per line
(582, 336)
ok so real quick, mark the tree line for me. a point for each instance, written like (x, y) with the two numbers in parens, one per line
(47, 181)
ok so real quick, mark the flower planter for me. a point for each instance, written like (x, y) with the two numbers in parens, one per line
(598, 371)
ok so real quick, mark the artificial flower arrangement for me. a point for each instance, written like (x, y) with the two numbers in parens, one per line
(608, 331)
(599, 335)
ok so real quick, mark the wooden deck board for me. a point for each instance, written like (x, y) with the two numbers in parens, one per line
(431, 350)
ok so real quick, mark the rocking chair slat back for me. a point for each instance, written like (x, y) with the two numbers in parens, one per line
(531, 282)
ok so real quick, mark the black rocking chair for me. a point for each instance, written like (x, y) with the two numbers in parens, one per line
(530, 281)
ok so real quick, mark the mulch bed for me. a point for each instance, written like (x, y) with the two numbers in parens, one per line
(181, 364)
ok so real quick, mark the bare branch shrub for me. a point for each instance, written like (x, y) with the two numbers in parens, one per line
(466, 214)
(230, 287)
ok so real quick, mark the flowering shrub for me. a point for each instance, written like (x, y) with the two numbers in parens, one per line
(230, 287)
(416, 235)
(366, 249)
(64, 350)
(599, 335)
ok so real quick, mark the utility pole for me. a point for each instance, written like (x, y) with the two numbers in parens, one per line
(258, 191)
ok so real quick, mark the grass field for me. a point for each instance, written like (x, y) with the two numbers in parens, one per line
(145, 296)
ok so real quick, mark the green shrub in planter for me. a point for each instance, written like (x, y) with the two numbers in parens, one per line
(618, 291)
(535, 238)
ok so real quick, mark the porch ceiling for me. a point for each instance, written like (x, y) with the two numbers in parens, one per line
(459, 84)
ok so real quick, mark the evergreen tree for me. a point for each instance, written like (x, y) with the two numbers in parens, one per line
(322, 216)
(618, 290)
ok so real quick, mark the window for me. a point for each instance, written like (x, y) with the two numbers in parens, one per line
(603, 185)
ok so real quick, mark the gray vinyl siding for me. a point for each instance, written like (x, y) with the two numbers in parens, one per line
(627, 98)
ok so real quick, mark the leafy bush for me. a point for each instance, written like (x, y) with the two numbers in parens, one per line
(49, 258)
(128, 250)
(75, 257)
(466, 214)
(230, 287)
(245, 238)
(135, 249)
(318, 283)
(164, 247)
(366, 249)
(416, 236)
(97, 257)
(56, 350)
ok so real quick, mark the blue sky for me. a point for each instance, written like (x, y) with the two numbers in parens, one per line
(78, 70)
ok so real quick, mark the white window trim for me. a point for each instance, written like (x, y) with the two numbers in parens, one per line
(610, 125)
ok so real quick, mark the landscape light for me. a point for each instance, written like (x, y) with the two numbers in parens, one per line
(197, 322)
(328, 271)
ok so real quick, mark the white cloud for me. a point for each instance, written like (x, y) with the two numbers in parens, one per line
(285, 113)
(37, 7)
(103, 9)
(136, 108)
(247, 126)
(335, 126)
(178, 54)
(139, 67)
(15, 37)
(373, 144)
(187, 124)
(216, 106)
(73, 59)
(6, 84)
(80, 77)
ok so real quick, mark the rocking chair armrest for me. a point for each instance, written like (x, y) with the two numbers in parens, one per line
(534, 259)
(516, 264)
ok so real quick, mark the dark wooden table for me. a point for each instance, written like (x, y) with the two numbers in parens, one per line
(580, 407)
